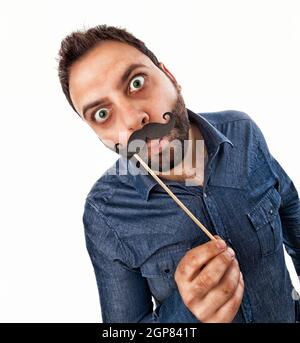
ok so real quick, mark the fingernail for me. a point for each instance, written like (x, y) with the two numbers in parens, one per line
(230, 252)
(221, 244)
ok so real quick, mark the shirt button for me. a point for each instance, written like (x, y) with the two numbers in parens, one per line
(271, 211)
(205, 195)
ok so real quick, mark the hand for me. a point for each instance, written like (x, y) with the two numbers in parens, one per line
(210, 282)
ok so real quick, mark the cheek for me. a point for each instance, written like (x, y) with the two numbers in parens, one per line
(109, 137)
(165, 94)
(163, 103)
(99, 132)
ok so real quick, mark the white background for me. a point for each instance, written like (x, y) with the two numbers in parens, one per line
(241, 55)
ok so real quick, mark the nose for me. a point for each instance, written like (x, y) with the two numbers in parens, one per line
(134, 120)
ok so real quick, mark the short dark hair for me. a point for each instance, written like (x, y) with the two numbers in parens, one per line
(78, 43)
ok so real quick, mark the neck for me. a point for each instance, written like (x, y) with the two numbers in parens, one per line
(191, 168)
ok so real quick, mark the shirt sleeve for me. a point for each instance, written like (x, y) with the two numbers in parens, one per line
(289, 210)
(124, 293)
(289, 214)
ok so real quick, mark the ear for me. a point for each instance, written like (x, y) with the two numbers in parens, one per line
(165, 69)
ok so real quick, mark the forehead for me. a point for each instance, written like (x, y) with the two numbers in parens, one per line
(101, 68)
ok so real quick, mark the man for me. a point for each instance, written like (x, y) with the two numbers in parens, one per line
(141, 244)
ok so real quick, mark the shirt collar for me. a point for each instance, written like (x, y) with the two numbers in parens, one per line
(144, 182)
(212, 136)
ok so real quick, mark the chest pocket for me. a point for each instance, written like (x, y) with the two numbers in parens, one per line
(266, 222)
(160, 267)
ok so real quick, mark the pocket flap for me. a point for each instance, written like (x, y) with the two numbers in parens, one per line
(265, 210)
(164, 262)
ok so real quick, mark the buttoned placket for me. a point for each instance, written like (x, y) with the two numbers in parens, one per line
(213, 213)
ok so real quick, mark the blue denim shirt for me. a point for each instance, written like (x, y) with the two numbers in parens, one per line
(136, 234)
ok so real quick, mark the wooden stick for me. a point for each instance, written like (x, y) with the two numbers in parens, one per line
(173, 196)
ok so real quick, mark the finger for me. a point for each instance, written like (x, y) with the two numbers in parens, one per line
(195, 259)
(229, 310)
(214, 270)
(217, 296)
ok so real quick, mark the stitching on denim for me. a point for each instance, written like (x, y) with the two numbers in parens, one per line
(103, 217)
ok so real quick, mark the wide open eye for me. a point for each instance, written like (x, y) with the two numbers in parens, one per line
(137, 82)
(101, 115)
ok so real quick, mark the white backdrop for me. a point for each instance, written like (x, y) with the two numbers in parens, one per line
(233, 54)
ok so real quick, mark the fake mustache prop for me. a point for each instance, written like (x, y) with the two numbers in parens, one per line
(155, 131)
(149, 131)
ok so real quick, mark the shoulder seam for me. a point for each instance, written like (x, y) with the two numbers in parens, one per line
(234, 120)
(99, 212)
(92, 205)
(215, 116)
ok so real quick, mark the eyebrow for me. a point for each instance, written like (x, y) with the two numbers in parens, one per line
(123, 79)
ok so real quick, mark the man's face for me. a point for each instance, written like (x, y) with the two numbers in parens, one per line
(115, 106)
